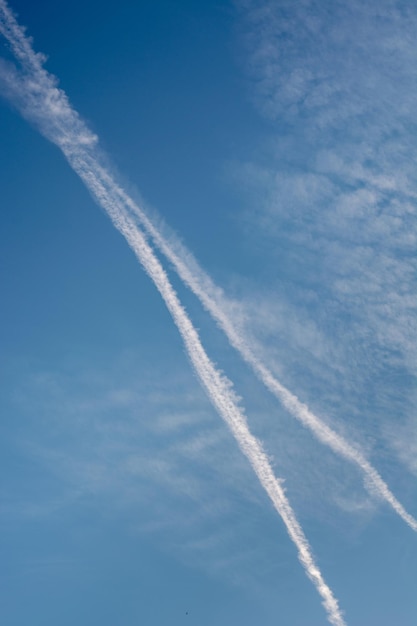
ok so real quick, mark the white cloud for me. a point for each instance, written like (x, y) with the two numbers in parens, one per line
(331, 203)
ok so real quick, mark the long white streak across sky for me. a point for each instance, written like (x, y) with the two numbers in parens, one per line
(210, 296)
(41, 101)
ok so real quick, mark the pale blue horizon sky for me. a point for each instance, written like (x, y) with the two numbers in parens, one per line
(277, 140)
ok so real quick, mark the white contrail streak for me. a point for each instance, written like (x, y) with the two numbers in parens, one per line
(199, 282)
(211, 297)
(49, 108)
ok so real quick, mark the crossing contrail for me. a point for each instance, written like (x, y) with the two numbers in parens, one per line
(40, 100)
(210, 295)
(199, 282)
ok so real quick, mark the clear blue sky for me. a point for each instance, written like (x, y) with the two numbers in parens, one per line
(277, 140)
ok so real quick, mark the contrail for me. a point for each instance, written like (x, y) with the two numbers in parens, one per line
(41, 101)
(202, 285)
(210, 295)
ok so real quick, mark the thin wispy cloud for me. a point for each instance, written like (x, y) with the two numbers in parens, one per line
(171, 474)
(332, 198)
(49, 108)
(340, 185)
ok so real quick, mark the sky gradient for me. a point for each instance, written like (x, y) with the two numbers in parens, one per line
(287, 172)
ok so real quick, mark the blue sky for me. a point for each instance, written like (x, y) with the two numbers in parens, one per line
(276, 140)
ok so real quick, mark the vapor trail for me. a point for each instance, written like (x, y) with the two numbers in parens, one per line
(39, 99)
(211, 298)
(187, 267)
